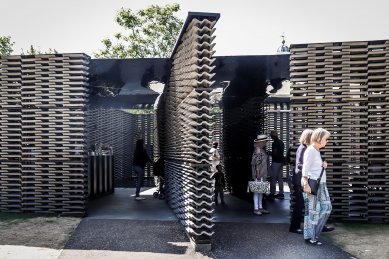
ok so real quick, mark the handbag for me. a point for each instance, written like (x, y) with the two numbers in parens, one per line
(259, 186)
(314, 183)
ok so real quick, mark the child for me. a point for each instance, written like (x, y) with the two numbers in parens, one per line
(219, 184)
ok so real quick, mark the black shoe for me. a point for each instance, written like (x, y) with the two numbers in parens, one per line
(327, 229)
(297, 231)
(270, 197)
(280, 196)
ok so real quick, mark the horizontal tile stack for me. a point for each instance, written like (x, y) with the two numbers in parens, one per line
(217, 135)
(43, 136)
(187, 129)
(11, 134)
(217, 122)
(344, 88)
(278, 118)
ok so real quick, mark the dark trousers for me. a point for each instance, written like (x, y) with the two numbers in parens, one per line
(141, 174)
(219, 190)
(295, 222)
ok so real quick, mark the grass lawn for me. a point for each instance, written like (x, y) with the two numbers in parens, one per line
(22, 235)
(362, 240)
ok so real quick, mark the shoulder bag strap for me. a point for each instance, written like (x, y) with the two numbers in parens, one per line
(322, 170)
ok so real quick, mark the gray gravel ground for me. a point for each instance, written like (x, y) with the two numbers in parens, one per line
(105, 238)
(100, 238)
(259, 240)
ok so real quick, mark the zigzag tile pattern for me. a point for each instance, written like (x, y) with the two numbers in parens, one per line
(187, 130)
(344, 87)
(42, 135)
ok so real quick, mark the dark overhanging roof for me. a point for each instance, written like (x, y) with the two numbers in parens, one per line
(249, 73)
(189, 18)
(127, 79)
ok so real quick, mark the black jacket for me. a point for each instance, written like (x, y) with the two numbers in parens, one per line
(299, 164)
(141, 157)
(278, 151)
(219, 179)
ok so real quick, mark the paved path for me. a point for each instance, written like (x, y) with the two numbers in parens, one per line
(105, 238)
(138, 231)
(260, 240)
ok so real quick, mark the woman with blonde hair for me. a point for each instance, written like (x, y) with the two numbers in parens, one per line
(295, 223)
(317, 207)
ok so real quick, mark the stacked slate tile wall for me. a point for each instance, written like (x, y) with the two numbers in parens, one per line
(120, 129)
(185, 128)
(42, 135)
(217, 135)
(277, 116)
(217, 122)
(278, 119)
(240, 122)
(344, 87)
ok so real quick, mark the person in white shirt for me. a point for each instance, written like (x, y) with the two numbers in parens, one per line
(317, 207)
(214, 157)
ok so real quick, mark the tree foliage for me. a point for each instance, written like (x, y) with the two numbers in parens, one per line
(151, 32)
(34, 51)
(6, 45)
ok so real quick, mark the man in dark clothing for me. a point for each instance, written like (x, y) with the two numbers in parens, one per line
(219, 184)
(278, 161)
(290, 160)
(139, 162)
(295, 224)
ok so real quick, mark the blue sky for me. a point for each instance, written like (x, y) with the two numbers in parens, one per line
(246, 27)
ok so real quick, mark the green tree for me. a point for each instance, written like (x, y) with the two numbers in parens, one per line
(6, 45)
(35, 51)
(51, 51)
(151, 32)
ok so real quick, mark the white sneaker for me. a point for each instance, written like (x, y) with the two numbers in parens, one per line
(263, 211)
(140, 198)
(257, 212)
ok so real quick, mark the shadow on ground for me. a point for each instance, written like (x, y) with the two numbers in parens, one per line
(129, 235)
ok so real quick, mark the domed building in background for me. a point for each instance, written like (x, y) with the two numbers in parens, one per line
(283, 49)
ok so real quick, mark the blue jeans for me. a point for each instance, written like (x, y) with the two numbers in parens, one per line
(141, 174)
(317, 211)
